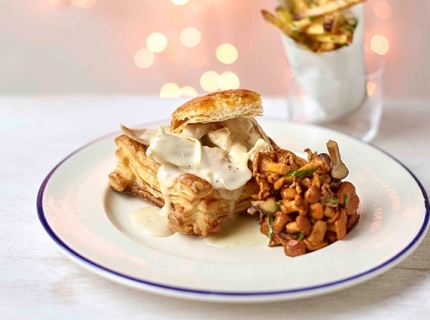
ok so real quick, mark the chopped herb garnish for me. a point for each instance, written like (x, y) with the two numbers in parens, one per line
(311, 18)
(345, 44)
(345, 199)
(301, 236)
(277, 206)
(332, 200)
(269, 233)
(300, 173)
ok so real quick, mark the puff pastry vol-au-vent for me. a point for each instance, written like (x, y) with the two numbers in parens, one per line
(198, 169)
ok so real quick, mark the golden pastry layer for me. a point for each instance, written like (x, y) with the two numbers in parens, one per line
(135, 174)
(217, 107)
(220, 129)
(197, 208)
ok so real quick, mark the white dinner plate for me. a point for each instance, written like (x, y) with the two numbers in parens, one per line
(91, 224)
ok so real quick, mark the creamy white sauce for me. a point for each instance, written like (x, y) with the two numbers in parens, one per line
(167, 175)
(240, 232)
(223, 160)
(231, 196)
(225, 165)
(142, 136)
(149, 221)
(197, 130)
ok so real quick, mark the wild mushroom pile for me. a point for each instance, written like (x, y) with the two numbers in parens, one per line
(303, 205)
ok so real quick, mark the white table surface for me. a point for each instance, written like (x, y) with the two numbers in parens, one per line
(38, 282)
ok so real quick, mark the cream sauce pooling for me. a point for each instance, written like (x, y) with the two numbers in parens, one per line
(241, 232)
(149, 221)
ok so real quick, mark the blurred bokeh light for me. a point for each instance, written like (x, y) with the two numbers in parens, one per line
(190, 37)
(180, 2)
(137, 47)
(228, 80)
(226, 53)
(188, 91)
(370, 86)
(382, 10)
(156, 42)
(209, 81)
(170, 90)
(144, 58)
(379, 44)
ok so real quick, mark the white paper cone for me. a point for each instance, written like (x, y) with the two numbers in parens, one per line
(333, 83)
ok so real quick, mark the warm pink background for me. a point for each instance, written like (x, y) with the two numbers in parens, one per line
(56, 48)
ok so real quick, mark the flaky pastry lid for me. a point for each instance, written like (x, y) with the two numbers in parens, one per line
(217, 107)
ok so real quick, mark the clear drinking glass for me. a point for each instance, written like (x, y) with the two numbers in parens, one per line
(363, 121)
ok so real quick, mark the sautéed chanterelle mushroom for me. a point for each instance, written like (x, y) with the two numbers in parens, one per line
(303, 205)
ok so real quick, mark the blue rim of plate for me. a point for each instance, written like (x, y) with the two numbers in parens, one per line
(176, 289)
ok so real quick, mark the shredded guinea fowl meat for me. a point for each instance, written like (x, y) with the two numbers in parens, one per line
(303, 204)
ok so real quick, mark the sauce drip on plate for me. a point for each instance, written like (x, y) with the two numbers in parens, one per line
(150, 221)
(242, 231)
